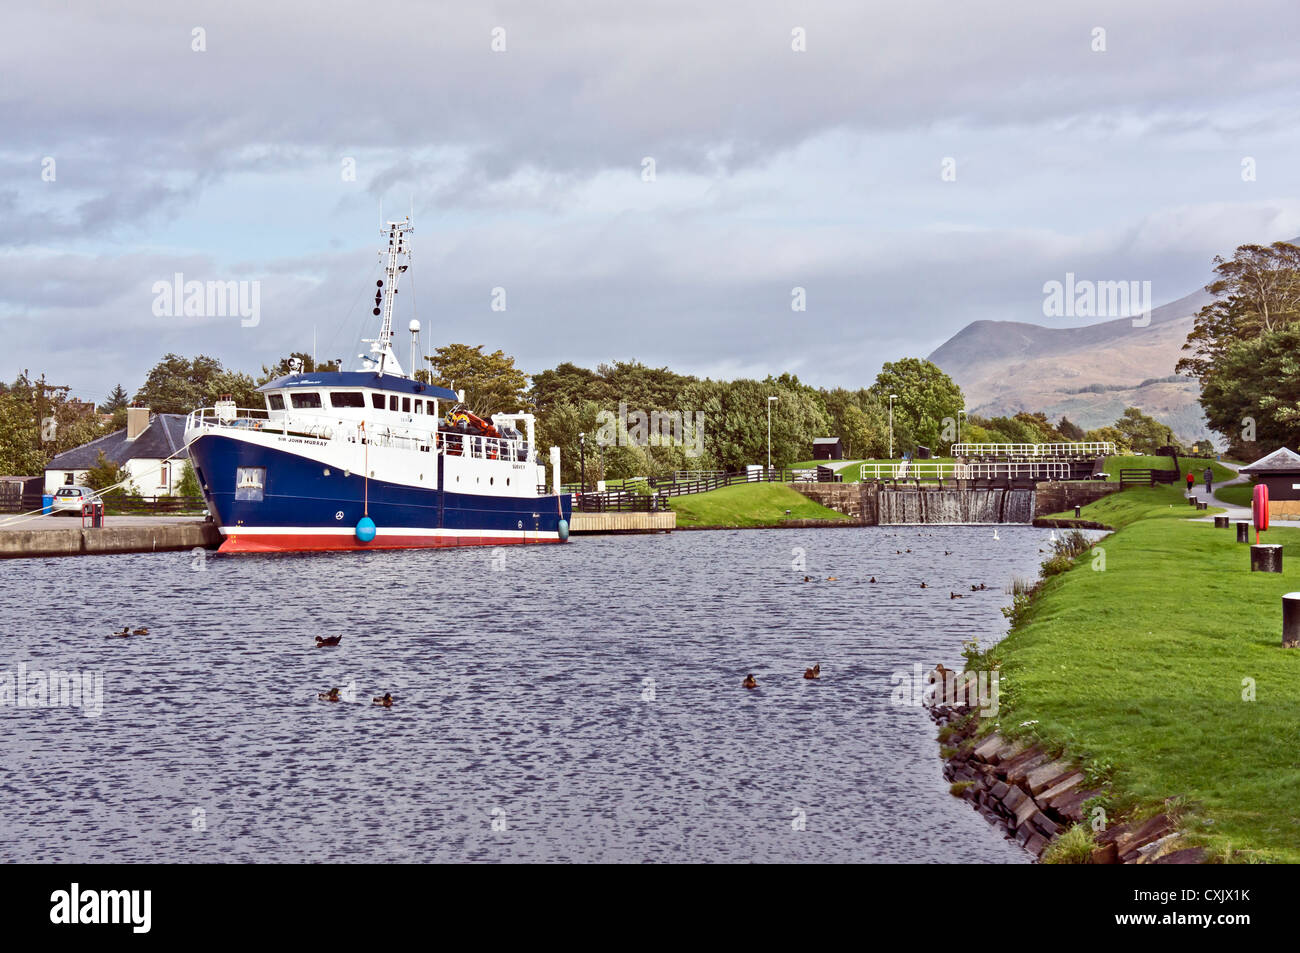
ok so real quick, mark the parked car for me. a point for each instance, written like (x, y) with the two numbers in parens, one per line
(69, 499)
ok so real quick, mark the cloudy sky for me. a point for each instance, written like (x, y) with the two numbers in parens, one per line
(127, 155)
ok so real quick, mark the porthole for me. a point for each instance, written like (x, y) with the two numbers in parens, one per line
(492, 481)
(507, 481)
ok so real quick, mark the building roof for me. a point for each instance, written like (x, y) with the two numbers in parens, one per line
(403, 385)
(1279, 461)
(817, 440)
(162, 438)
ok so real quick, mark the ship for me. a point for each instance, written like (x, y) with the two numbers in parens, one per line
(373, 458)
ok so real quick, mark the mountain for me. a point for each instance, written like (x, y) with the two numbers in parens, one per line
(1089, 373)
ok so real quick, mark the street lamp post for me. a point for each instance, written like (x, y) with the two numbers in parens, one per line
(769, 436)
(892, 398)
(582, 457)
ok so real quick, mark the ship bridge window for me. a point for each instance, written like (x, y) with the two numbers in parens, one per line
(392, 402)
(347, 398)
(419, 406)
(302, 399)
(406, 405)
(377, 401)
(275, 401)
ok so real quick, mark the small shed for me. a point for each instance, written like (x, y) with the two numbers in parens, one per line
(828, 448)
(1280, 472)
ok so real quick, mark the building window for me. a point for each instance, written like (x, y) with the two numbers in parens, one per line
(250, 483)
(347, 398)
(304, 399)
(68, 479)
(275, 401)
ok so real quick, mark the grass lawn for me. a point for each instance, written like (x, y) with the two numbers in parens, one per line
(1137, 670)
(748, 504)
(1242, 494)
(1128, 506)
(1197, 467)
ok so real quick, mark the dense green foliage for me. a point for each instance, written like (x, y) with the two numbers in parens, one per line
(38, 421)
(491, 382)
(179, 385)
(1243, 349)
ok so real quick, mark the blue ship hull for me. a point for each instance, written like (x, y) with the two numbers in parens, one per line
(302, 509)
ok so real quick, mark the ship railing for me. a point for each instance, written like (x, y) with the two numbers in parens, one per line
(480, 447)
(327, 427)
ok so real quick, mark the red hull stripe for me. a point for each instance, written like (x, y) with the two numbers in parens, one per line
(290, 542)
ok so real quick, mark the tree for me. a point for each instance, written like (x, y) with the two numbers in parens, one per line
(189, 481)
(1142, 433)
(735, 422)
(1253, 396)
(1069, 430)
(297, 359)
(105, 474)
(178, 385)
(116, 400)
(858, 419)
(38, 421)
(491, 382)
(1257, 292)
(566, 383)
(1108, 435)
(927, 399)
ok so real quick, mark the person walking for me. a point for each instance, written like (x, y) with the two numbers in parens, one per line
(1191, 482)
(1209, 480)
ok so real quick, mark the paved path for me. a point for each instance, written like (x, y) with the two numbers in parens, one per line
(1232, 510)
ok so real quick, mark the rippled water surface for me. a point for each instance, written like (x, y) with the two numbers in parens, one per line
(524, 701)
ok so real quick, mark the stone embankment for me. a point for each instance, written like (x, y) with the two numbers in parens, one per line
(77, 541)
(1036, 798)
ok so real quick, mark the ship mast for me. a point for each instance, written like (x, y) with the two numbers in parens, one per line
(399, 247)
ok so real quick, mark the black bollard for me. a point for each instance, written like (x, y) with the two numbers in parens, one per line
(1191, 500)
(1076, 512)
(1266, 557)
(1243, 531)
(1203, 505)
(1291, 620)
(1220, 522)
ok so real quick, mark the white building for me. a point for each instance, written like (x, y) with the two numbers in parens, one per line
(144, 449)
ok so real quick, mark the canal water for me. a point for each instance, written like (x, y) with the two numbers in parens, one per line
(563, 703)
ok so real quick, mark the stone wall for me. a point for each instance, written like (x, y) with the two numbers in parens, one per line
(857, 500)
(75, 541)
(1036, 797)
(1060, 497)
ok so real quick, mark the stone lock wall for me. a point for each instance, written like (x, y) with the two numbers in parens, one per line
(857, 500)
(1059, 497)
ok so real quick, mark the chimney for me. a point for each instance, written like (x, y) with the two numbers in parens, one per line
(137, 421)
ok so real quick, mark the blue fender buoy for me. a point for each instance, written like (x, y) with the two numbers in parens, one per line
(366, 529)
(564, 530)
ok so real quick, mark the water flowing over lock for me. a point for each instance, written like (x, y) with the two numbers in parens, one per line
(898, 507)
